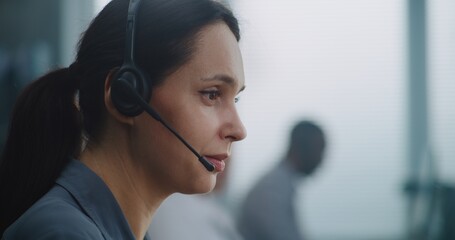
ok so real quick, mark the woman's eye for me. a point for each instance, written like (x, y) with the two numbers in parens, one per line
(212, 94)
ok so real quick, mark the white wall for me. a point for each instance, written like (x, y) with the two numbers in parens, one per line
(341, 63)
(441, 39)
(76, 16)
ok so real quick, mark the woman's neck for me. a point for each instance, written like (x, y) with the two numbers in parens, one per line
(136, 195)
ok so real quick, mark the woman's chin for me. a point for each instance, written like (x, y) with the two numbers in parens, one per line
(201, 187)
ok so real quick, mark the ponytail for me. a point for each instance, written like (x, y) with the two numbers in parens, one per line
(44, 133)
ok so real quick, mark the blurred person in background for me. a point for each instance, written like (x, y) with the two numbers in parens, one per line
(93, 150)
(197, 216)
(268, 211)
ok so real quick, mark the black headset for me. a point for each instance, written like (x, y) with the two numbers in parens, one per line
(130, 88)
(129, 73)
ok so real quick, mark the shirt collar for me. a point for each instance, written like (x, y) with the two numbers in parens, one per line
(95, 199)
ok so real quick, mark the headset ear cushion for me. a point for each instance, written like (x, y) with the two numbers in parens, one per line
(120, 98)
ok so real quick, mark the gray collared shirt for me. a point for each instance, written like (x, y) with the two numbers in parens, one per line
(79, 206)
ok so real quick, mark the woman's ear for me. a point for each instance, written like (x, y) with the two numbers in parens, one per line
(111, 109)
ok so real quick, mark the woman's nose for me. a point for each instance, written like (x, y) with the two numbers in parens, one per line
(233, 127)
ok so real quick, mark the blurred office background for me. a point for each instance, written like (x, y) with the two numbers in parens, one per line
(378, 75)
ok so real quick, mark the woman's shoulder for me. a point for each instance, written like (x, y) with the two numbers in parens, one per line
(54, 216)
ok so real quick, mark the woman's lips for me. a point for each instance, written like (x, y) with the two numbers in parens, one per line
(218, 163)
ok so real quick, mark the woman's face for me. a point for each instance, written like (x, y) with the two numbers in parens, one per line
(198, 101)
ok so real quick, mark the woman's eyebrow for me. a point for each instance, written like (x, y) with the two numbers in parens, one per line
(223, 78)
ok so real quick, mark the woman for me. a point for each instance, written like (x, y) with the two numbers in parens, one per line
(83, 161)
